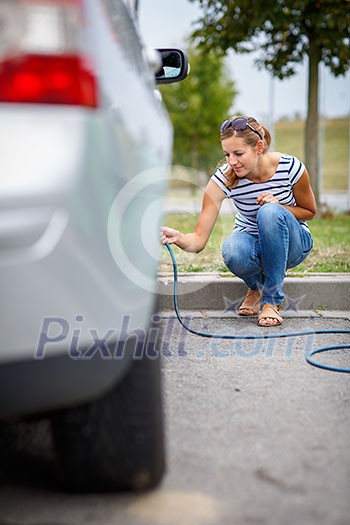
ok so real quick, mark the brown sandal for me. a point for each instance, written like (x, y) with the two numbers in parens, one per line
(251, 302)
(270, 311)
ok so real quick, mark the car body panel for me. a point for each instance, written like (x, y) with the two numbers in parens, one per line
(81, 196)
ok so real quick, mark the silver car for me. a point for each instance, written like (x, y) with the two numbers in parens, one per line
(85, 149)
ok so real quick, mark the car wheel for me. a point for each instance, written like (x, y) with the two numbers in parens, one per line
(116, 442)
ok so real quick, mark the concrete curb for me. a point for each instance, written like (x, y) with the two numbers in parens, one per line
(211, 291)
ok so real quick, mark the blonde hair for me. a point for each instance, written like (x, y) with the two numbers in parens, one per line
(250, 138)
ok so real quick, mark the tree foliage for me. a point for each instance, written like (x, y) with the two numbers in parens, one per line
(197, 106)
(281, 29)
(285, 31)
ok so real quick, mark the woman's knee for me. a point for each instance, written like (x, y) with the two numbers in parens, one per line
(272, 219)
(269, 212)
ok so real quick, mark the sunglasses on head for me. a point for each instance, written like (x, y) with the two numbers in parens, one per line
(238, 124)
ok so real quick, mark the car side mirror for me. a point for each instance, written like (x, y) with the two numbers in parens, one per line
(174, 67)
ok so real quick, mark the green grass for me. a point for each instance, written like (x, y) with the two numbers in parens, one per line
(331, 252)
(334, 154)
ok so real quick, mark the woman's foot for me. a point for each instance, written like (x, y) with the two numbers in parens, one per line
(269, 315)
(251, 303)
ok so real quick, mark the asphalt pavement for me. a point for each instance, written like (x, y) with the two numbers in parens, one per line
(255, 435)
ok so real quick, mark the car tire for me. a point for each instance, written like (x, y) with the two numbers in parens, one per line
(115, 443)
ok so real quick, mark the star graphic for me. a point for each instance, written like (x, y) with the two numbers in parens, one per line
(231, 306)
(293, 304)
(289, 304)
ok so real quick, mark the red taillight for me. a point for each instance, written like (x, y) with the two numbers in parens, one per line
(43, 62)
(47, 80)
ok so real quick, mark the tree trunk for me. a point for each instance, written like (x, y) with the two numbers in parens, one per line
(311, 145)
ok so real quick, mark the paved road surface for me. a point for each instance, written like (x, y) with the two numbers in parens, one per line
(255, 436)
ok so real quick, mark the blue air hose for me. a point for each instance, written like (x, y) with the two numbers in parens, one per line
(267, 336)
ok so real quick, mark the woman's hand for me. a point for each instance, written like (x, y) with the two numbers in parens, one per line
(265, 197)
(305, 207)
(169, 235)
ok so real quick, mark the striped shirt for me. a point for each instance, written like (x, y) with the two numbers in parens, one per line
(244, 195)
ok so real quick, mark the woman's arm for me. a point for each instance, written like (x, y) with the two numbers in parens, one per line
(196, 241)
(305, 208)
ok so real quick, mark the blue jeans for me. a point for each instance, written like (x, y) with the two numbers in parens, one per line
(262, 260)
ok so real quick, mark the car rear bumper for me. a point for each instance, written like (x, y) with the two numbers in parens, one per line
(38, 386)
